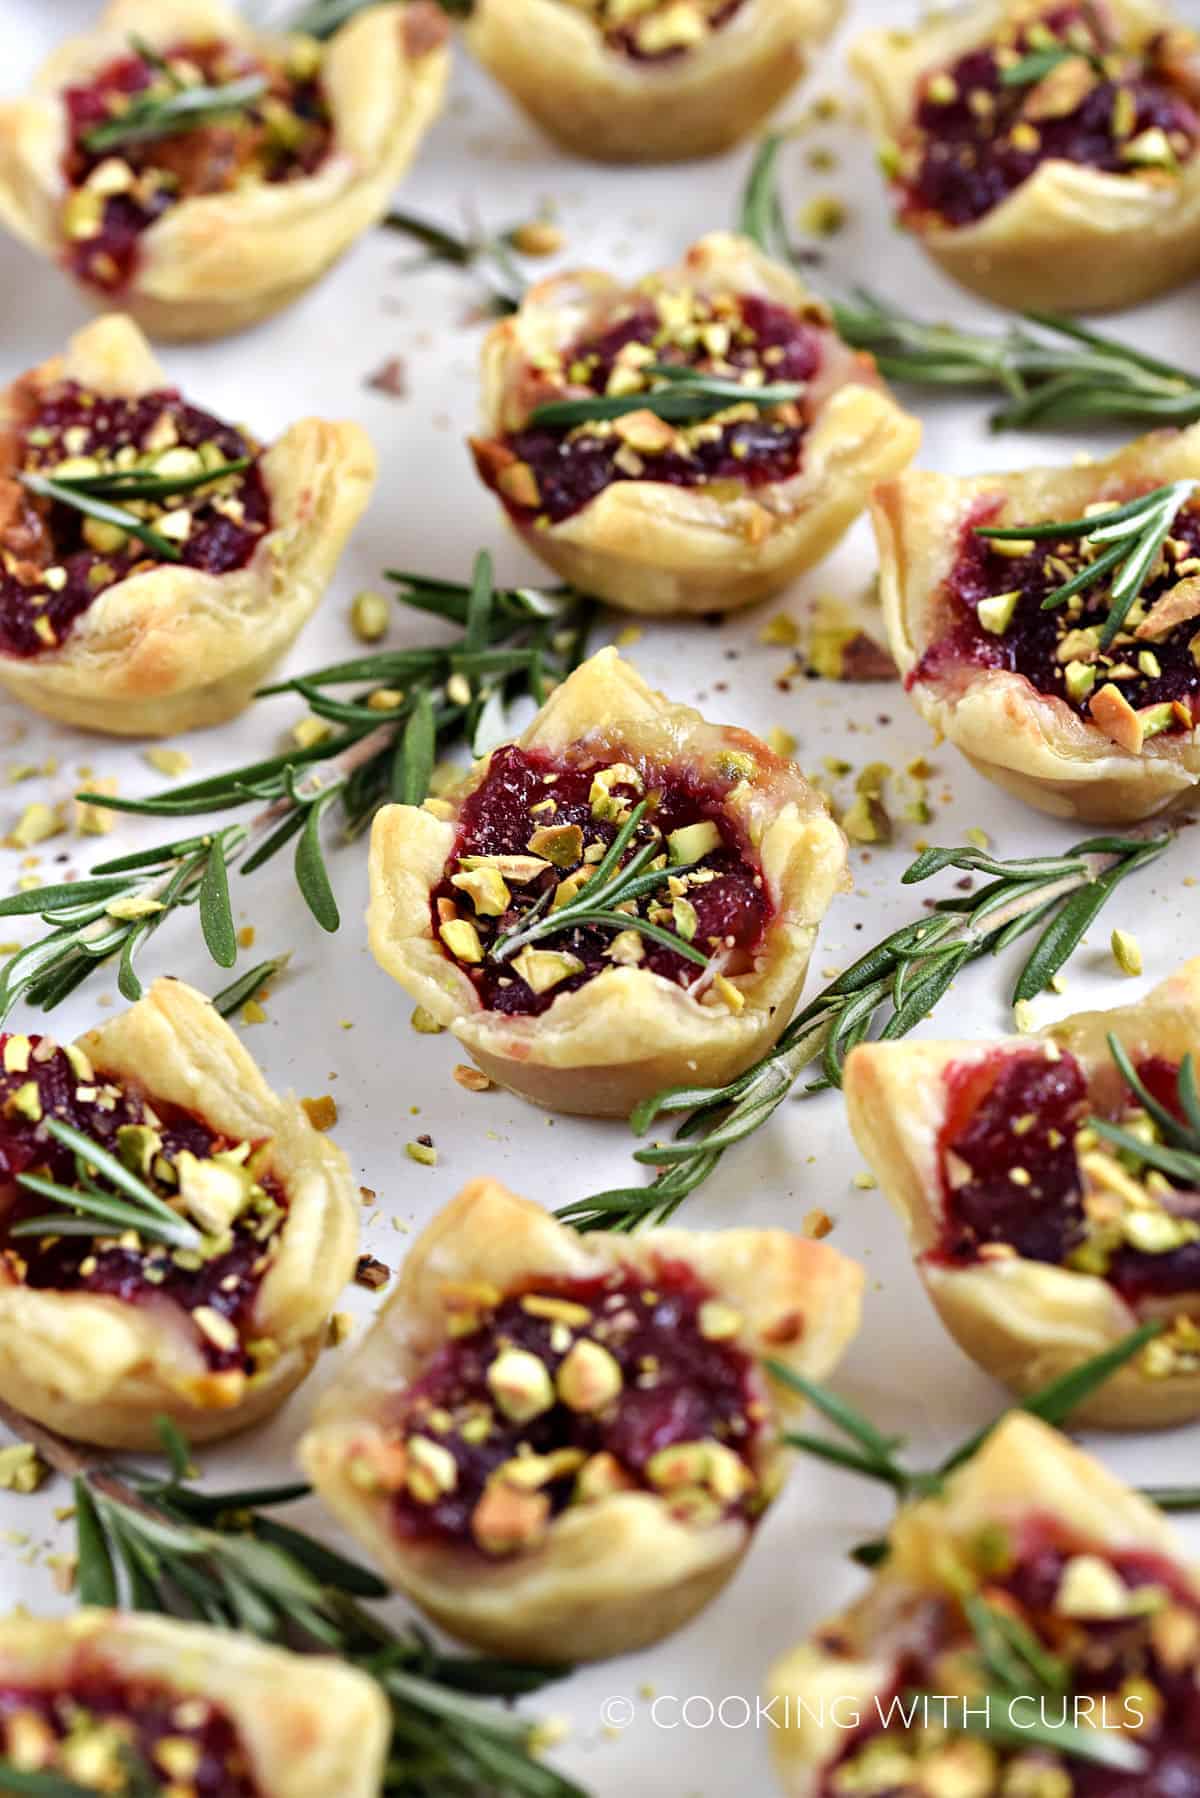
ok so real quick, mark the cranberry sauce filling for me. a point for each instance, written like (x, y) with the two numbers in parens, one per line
(113, 1733)
(55, 561)
(1017, 1172)
(981, 131)
(1059, 651)
(117, 193)
(535, 824)
(567, 1391)
(552, 473)
(1124, 1632)
(217, 1285)
(661, 30)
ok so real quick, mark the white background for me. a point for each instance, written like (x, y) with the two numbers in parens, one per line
(430, 513)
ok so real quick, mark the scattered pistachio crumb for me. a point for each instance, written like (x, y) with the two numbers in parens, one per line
(538, 237)
(36, 823)
(341, 1326)
(823, 216)
(780, 630)
(473, 1079)
(625, 639)
(1127, 952)
(422, 1152)
(95, 820)
(1023, 1016)
(369, 615)
(817, 1223)
(22, 1468)
(425, 1023)
(978, 837)
(322, 1113)
(171, 762)
(253, 1012)
(310, 731)
(865, 1182)
(781, 741)
(246, 937)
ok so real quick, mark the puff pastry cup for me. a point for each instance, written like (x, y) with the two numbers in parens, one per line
(101, 631)
(1039, 1240)
(98, 1335)
(1030, 697)
(595, 1020)
(1031, 1531)
(206, 232)
(1075, 190)
(266, 1723)
(661, 82)
(705, 516)
(557, 1445)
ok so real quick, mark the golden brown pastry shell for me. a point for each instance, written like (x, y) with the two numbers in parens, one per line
(611, 108)
(1026, 1322)
(310, 1726)
(1024, 1471)
(651, 547)
(1031, 744)
(217, 263)
(176, 648)
(95, 1368)
(618, 1573)
(628, 1032)
(1071, 238)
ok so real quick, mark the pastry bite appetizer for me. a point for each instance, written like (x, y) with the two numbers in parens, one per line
(110, 1702)
(1045, 152)
(173, 1236)
(1050, 1187)
(624, 898)
(1025, 648)
(205, 175)
(1047, 1612)
(688, 444)
(558, 1445)
(648, 80)
(155, 561)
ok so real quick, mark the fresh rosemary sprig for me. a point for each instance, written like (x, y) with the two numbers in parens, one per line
(1051, 371)
(150, 116)
(1128, 539)
(323, 17)
(156, 1544)
(93, 506)
(687, 394)
(1037, 64)
(25, 1784)
(1178, 1154)
(489, 254)
(903, 977)
(232, 997)
(867, 1451)
(513, 644)
(94, 1210)
(599, 899)
(144, 483)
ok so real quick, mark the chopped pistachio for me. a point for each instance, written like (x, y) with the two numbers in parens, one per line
(21, 1468)
(423, 1153)
(36, 823)
(486, 889)
(322, 1112)
(542, 969)
(425, 1023)
(589, 1378)
(310, 731)
(559, 844)
(462, 939)
(1127, 952)
(171, 762)
(996, 614)
(520, 1384)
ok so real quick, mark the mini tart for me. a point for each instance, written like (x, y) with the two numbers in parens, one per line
(95, 629)
(1037, 1241)
(207, 232)
(658, 82)
(1037, 1530)
(1078, 192)
(558, 1445)
(596, 1020)
(695, 518)
(98, 1335)
(201, 1712)
(1027, 696)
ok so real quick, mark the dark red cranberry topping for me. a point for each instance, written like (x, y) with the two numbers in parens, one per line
(1032, 642)
(1116, 1664)
(572, 468)
(142, 1721)
(678, 1386)
(731, 906)
(227, 1282)
(1018, 1115)
(40, 538)
(980, 146)
(283, 136)
(625, 37)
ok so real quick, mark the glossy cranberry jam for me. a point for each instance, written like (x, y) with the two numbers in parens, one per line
(981, 136)
(1058, 651)
(50, 571)
(223, 1279)
(721, 904)
(115, 1734)
(627, 1378)
(730, 337)
(283, 135)
(1131, 1669)
(1014, 1173)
